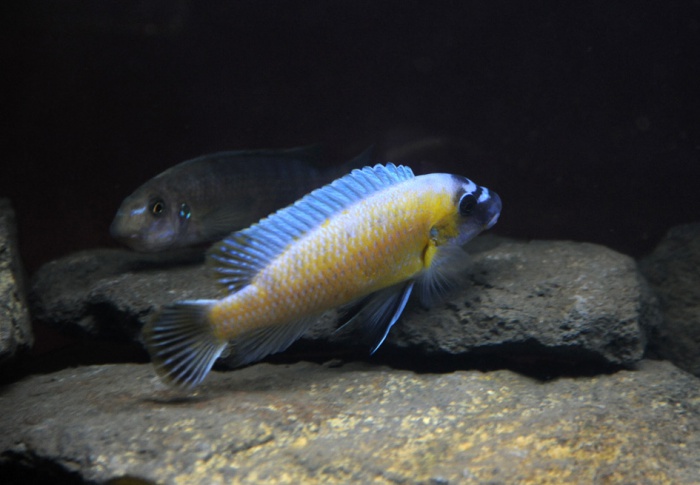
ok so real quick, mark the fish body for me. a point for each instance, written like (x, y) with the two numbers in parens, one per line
(204, 199)
(369, 237)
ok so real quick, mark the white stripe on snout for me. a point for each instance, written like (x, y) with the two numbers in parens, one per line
(469, 187)
(484, 195)
(137, 212)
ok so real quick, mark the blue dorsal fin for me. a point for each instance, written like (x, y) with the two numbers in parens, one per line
(239, 257)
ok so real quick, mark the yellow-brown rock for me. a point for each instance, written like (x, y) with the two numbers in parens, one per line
(310, 423)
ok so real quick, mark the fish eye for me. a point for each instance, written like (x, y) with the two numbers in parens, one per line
(467, 204)
(157, 207)
(185, 211)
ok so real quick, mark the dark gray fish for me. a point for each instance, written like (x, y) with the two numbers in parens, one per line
(204, 199)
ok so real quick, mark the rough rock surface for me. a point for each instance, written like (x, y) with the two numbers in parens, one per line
(15, 326)
(112, 292)
(673, 270)
(576, 301)
(310, 423)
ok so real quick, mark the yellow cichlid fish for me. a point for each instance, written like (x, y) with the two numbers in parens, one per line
(368, 237)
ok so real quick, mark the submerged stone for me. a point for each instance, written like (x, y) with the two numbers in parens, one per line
(544, 300)
(15, 326)
(673, 270)
(357, 423)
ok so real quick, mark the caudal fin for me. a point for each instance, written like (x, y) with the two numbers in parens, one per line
(181, 343)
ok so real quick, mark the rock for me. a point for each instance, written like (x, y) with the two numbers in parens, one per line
(580, 302)
(111, 293)
(673, 270)
(357, 423)
(15, 325)
(564, 300)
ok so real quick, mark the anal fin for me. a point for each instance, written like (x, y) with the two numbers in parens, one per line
(257, 344)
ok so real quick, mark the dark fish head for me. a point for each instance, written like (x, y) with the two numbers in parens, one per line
(148, 220)
(478, 208)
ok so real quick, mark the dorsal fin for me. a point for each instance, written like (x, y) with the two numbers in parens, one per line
(307, 153)
(239, 257)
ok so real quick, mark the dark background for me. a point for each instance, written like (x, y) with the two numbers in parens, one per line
(583, 116)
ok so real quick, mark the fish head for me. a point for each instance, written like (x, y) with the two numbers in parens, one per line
(149, 221)
(478, 208)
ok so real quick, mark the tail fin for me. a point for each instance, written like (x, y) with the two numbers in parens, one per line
(181, 343)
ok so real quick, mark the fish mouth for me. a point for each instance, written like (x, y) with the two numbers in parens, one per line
(492, 222)
(144, 244)
(494, 209)
(135, 241)
(135, 237)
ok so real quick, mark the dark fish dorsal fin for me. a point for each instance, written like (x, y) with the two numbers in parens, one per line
(362, 160)
(239, 257)
(310, 153)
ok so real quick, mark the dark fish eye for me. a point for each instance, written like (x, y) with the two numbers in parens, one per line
(185, 211)
(157, 207)
(467, 204)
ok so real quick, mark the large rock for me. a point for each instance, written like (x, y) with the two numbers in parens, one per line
(562, 300)
(110, 293)
(673, 270)
(309, 423)
(15, 325)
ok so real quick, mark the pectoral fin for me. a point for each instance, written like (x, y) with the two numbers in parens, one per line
(221, 222)
(445, 273)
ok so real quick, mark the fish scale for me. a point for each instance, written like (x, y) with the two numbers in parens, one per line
(368, 237)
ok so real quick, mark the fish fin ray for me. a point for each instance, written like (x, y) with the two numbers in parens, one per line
(362, 160)
(306, 154)
(251, 249)
(379, 312)
(445, 274)
(219, 223)
(257, 344)
(181, 343)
